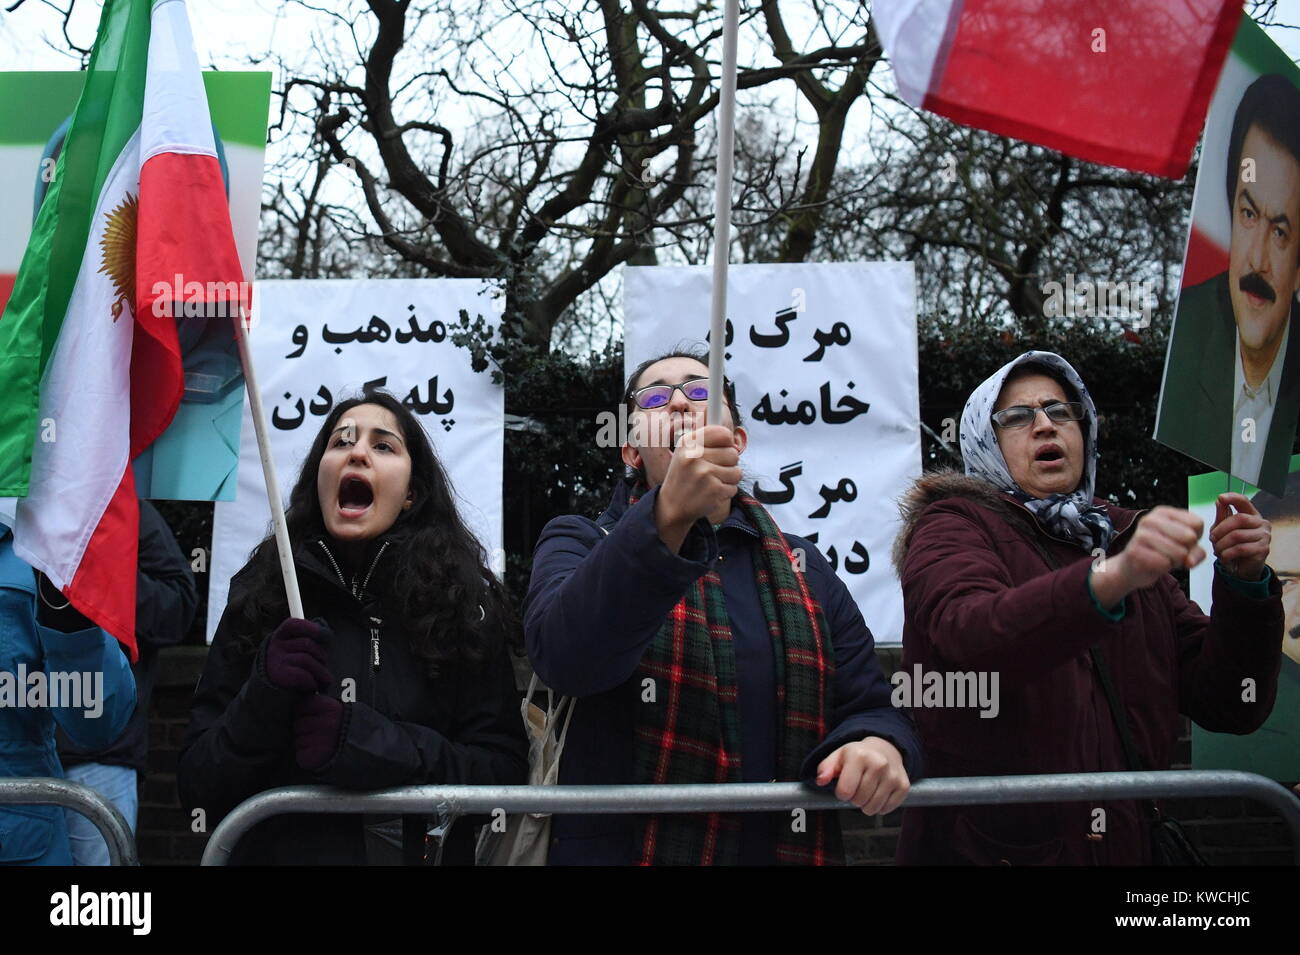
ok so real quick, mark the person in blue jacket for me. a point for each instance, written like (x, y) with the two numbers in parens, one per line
(50, 639)
(703, 645)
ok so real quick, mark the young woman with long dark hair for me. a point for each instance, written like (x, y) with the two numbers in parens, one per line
(400, 676)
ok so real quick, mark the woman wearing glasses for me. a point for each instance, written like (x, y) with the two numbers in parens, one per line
(1016, 568)
(705, 646)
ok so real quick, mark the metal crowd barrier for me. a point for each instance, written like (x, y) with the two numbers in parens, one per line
(48, 791)
(744, 797)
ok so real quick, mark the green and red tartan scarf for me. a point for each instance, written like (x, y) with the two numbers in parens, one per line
(690, 732)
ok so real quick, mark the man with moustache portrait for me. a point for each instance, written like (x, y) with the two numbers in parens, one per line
(1232, 380)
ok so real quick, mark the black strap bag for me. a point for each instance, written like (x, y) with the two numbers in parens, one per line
(1169, 843)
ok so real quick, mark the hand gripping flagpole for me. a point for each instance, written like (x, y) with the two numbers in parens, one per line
(722, 216)
(282, 545)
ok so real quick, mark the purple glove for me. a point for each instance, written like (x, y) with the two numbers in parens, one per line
(295, 657)
(317, 731)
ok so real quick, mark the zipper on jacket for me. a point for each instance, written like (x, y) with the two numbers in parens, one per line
(374, 563)
(375, 623)
(353, 589)
(334, 564)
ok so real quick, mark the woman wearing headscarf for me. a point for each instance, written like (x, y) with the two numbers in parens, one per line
(1017, 569)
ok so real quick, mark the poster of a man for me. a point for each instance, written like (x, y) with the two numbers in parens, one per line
(1284, 556)
(1231, 391)
(1273, 750)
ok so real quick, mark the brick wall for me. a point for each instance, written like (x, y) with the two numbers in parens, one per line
(1227, 831)
(163, 835)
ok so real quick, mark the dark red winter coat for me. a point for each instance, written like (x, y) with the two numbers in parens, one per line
(979, 596)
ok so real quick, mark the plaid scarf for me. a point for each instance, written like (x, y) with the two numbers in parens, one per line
(690, 732)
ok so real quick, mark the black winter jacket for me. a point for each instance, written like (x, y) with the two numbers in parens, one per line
(403, 728)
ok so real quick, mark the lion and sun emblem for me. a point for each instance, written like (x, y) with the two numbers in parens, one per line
(118, 257)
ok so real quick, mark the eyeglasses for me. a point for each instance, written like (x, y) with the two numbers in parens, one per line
(656, 396)
(1020, 416)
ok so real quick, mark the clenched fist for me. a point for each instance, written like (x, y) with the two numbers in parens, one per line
(1165, 538)
(702, 478)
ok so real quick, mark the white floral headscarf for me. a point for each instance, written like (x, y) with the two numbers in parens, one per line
(1072, 515)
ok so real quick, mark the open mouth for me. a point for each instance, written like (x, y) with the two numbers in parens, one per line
(681, 427)
(1049, 454)
(355, 496)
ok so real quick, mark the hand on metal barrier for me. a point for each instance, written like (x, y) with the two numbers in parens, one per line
(870, 775)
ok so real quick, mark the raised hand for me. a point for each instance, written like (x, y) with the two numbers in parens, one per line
(1241, 541)
(1165, 538)
(702, 478)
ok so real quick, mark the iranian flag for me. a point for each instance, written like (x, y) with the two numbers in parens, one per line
(135, 215)
(1125, 83)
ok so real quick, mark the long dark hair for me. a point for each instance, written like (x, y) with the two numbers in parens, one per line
(439, 573)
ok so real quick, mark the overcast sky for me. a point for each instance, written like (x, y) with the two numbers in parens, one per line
(236, 34)
(226, 32)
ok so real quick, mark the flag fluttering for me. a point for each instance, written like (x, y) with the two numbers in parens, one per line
(1123, 82)
(135, 221)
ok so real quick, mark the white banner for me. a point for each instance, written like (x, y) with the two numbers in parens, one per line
(824, 360)
(316, 343)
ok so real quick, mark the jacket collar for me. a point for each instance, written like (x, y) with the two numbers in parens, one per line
(321, 555)
(941, 485)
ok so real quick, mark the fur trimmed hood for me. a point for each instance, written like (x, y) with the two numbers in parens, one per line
(930, 488)
(935, 486)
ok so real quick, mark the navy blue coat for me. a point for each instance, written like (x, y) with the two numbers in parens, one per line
(594, 605)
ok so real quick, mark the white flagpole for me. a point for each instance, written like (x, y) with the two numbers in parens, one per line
(722, 216)
(282, 545)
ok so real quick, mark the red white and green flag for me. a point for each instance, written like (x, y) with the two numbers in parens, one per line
(88, 348)
(1124, 83)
